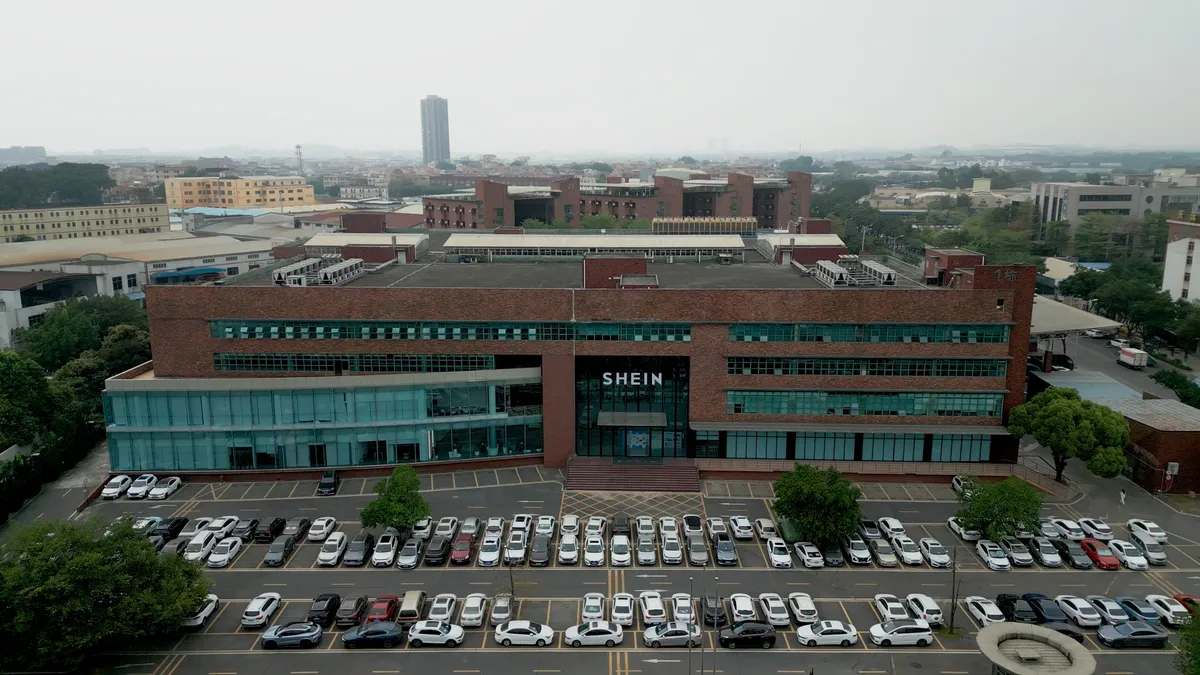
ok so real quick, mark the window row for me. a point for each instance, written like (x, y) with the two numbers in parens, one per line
(851, 332)
(583, 251)
(463, 330)
(880, 367)
(354, 363)
(936, 404)
(820, 446)
(961, 448)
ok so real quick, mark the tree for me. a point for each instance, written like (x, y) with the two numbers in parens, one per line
(1071, 427)
(124, 347)
(1107, 462)
(38, 185)
(846, 170)
(445, 166)
(1187, 659)
(399, 504)
(20, 238)
(1083, 283)
(1000, 509)
(820, 503)
(1187, 390)
(687, 160)
(334, 191)
(76, 326)
(1094, 237)
(67, 590)
(533, 224)
(25, 403)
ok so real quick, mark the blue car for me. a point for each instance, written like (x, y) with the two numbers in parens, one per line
(1139, 610)
(384, 634)
(299, 634)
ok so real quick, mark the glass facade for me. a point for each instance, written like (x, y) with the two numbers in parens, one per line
(611, 390)
(447, 330)
(353, 363)
(854, 403)
(846, 447)
(961, 448)
(893, 447)
(326, 427)
(868, 332)
(881, 367)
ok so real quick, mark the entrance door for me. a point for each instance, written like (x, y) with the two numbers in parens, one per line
(637, 441)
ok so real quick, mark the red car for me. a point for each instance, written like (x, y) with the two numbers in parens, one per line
(460, 552)
(1101, 556)
(384, 608)
(1189, 601)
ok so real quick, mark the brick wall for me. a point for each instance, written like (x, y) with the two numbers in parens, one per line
(601, 272)
(369, 222)
(370, 254)
(808, 255)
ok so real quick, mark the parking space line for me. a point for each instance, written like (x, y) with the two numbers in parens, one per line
(293, 489)
(905, 488)
(931, 495)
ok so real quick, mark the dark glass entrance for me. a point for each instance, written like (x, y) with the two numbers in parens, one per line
(631, 406)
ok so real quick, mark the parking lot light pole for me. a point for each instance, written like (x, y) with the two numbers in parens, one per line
(692, 602)
(716, 628)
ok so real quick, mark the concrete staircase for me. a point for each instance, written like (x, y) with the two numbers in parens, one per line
(600, 473)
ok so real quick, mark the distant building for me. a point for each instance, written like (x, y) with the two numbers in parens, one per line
(83, 221)
(362, 192)
(435, 130)
(29, 154)
(1072, 201)
(1183, 233)
(239, 191)
(26, 296)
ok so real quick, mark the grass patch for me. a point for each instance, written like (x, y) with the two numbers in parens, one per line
(1185, 503)
(1159, 356)
(946, 632)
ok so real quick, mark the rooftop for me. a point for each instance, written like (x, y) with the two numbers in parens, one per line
(1025, 649)
(15, 281)
(781, 239)
(954, 251)
(337, 239)
(1091, 385)
(1051, 317)
(1160, 414)
(595, 241)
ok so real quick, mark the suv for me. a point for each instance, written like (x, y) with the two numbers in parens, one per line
(620, 524)
(324, 609)
(438, 551)
(169, 529)
(360, 549)
(714, 611)
(329, 483)
(267, 530)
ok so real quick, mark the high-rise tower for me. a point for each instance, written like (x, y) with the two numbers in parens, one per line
(435, 129)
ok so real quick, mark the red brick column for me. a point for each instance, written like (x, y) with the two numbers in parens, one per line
(558, 408)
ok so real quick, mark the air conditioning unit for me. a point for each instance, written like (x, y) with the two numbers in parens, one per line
(1172, 468)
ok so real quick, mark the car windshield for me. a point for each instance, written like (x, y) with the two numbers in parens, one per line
(995, 553)
(620, 548)
(384, 547)
(1047, 549)
(936, 549)
(857, 546)
(462, 546)
(277, 547)
(568, 546)
(115, 482)
(1103, 550)
(224, 547)
(331, 546)
(908, 547)
(883, 546)
(195, 546)
(594, 547)
(724, 545)
(697, 546)
(490, 546)
(1153, 547)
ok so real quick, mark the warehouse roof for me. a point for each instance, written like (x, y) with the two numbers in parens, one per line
(335, 239)
(780, 239)
(1161, 414)
(595, 241)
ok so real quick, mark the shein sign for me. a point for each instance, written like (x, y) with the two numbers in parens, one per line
(633, 379)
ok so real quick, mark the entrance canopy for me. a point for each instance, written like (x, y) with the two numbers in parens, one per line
(631, 419)
(1052, 318)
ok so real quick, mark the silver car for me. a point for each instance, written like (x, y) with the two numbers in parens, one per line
(697, 550)
(647, 553)
(410, 554)
(299, 634)
(672, 634)
(502, 609)
(884, 555)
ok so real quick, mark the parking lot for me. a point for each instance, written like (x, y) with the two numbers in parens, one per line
(553, 594)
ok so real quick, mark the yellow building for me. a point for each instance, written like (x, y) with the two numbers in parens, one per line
(239, 192)
(74, 222)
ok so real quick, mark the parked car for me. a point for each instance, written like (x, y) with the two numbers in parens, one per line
(323, 610)
(713, 611)
(647, 552)
(332, 550)
(423, 528)
(141, 487)
(856, 550)
(957, 528)
(984, 611)
(1016, 551)
(298, 634)
(116, 486)
(809, 554)
(568, 550)
(803, 608)
(773, 609)
(1171, 612)
(569, 525)
(1079, 611)
(244, 530)
(385, 548)
(438, 551)
(329, 483)
(169, 528)
(384, 608)
(765, 528)
(1110, 610)
(195, 526)
(515, 550)
(622, 609)
(321, 527)
(778, 555)
(1016, 609)
(1147, 527)
(833, 556)
(868, 530)
(200, 617)
(280, 550)
(741, 527)
(672, 550)
(297, 527)
(594, 634)
(1046, 609)
(1068, 529)
(200, 546)
(1100, 555)
(922, 606)
(166, 488)
(410, 554)
(539, 551)
(435, 633)
(992, 555)
(1070, 552)
(351, 611)
(827, 634)
(653, 610)
(460, 552)
(224, 552)
(1128, 555)
(1138, 609)
(672, 634)
(933, 552)
(1150, 549)
(1132, 634)
(748, 634)
(260, 610)
(266, 530)
(1044, 552)
(502, 608)
(443, 607)
(882, 551)
(359, 550)
(902, 632)
(1096, 528)
(907, 551)
(490, 551)
(474, 610)
(385, 634)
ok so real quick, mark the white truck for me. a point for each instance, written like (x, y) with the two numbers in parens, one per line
(1132, 358)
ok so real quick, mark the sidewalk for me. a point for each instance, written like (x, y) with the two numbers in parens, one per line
(59, 498)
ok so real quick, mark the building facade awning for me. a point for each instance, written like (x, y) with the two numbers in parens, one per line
(631, 419)
(799, 427)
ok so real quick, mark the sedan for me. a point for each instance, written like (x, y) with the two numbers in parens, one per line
(1132, 634)
(223, 526)
(713, 611)
(623, 609)
(1096, 528)
(672, 551)
(716, 526)
(596, 526)
(933, 552)
(1047, 529)
(200, 617)
(1079, 611)
(809, 554)
(681, 608)
(869, 530)
(594, 634)
(384, 608)
(495, 525)
(1071, 552)
(540, 551)
(569, 525)
(545, 525)
(332, 550)
(474, 610)
(620, 554)
(1138, 609)
(1171, 612)
(906, 549)
(443, 607)
(321, 528)
(692, 524)
(833, 556)
(890, 607)
(1150, 549)
(1128, 555)
(280, 550)
(261, 609)
(647, 552)
(803, 608)
(435, 633)
(1044, 552)
(464, 545)
(502, 608)
(524, 633)
(882, 551)
(447, 527)
(1068, 529)
(514, 551)
(966, 535)
(1100, 555)
(299, 634)
(489, 551)
(592, 608)
(672, 634)
(245, 529)
(620, 525)
(568, 550)
(593, 551)
(827, 634)
(1016, 551)
(386, 634)
(992, 555)
(170, 528)
(147, 524)
(195, 526)
(774, 610)
(742, 607)
(140, 489)
(644, 526)
(297, 527)
(1149, 528)
(1110, 610)
(423, 528)
(890, 527)
(1045, 608)
(115, 487)
(667, 527)
(697, 550)
(777, 553)
(901, 632)
(410, 554)
(224, 552)
(741, 527)
(166, 488)
(984, 611)
(747, 634)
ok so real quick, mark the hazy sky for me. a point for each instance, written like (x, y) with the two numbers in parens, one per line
(611, 76)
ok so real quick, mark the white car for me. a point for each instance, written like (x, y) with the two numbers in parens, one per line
(489, 551)
(592, 608)
(594, 634)
(545, 525)
(1151, 550)
(447, 527)
(965, 535)
(515, 549)
(593, 551)
(223, 526)
(495, 525)
(1128, 555)
(1109, 610)
(672, 550)
(742, 607)
(856, 550)
(502, 609)
(716, 526)
(224, 552)
(568, 550)
(1049, 531)
(983, 610)
(201, 616)
(623, 609)
(569, 525)
(809, 554)
(1016, 551)
(526, 633)
(1078, 610)
(992, 555)
(803, 608)
(195, 526)
(667, 527)
(1149, 528)
(654, 612)
(647, 552)
(692, 524)
(890, 607)
(166, 488)
(435, 633)
(902, 632)
(596, 526)
(474, 610)
(774, 609)
(1067, 529)
(907, 550)
(443, 606)
(934, 553)
(1096, 528)
(321, 528)
(200, 546)
(1170, 611)
(741, 527)
(620, 553)
(959, 483)
(922, 606)
(522, 522)
(332, 550)
(385, 549)
(890, 527)
(778, 554)
(827, 634)
(116, 486)
(644, 526)
(423, 528)
(142, 486)
(765, 528)
(681, 608)
(261, 609)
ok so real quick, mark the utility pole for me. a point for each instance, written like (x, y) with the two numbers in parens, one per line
(954, 587)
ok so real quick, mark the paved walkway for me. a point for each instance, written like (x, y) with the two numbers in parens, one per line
(59, 498)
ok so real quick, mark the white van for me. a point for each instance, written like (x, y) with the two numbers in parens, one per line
(200, 546)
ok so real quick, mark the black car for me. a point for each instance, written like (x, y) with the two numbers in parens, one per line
(724, 552)
(245, 528)
(266, 530)
(351, 611)
(1046, 609)
(1067, 630)
(386, 634)
(1016, 609)
(714, 611)
(539, 551)
(329, 483)
(175, 547)
(438, 551)
(324, 609)
(169, 528)
(748, 634)
(359, 550)
(620, 524)
(1072, 553)
(280, 550)
(297, 527)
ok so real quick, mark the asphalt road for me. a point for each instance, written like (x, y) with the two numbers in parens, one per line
(1095, 355)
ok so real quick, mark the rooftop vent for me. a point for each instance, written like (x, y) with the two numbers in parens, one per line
(1027, 655)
